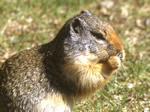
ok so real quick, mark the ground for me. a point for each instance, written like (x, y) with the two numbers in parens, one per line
(28, 23)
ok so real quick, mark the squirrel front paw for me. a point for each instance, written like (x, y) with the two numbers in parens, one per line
(114, 62)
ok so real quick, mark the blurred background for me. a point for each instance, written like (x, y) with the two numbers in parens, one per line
(28, 23)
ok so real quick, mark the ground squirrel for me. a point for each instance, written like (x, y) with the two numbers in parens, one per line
(50, 77)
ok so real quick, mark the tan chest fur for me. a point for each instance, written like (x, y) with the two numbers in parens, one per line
(90, 76)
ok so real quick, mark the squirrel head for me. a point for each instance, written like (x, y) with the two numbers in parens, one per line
(87, 39)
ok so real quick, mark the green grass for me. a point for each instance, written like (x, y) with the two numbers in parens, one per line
(27, 23)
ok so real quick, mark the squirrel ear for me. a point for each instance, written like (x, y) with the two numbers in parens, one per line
(85, 12)
(76, 25)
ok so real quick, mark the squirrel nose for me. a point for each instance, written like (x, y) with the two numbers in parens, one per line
(121, 55)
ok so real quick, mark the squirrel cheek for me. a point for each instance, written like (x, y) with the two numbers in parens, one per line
(114, 62)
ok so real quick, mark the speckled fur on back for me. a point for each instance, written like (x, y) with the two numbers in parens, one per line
(49, 78)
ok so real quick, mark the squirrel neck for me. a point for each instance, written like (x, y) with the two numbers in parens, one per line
(87, 78)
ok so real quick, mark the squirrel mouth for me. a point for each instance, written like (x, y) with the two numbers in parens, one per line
(119, 54)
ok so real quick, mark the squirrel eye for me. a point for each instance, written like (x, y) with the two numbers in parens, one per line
(98, 35)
